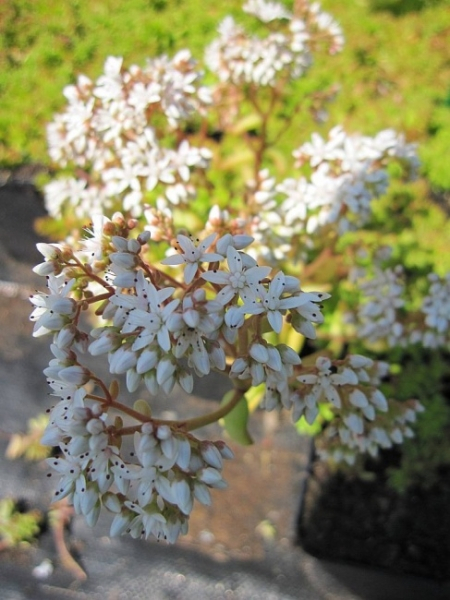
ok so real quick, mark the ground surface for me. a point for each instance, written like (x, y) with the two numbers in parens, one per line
(240, 548)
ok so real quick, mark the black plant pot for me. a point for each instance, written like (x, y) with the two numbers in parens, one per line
(347, 518)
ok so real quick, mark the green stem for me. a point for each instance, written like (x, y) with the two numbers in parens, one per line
(189, 425)
(111, 403)
(213, 417)
(87, 271)
(98, 298)
(130, 412)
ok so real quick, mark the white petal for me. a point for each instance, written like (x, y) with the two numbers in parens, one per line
(175, 259)
(308, 379)
(276, 287)
(220, 277)
(234, 260)
(331, 394)
(275, 319)
(190, 271)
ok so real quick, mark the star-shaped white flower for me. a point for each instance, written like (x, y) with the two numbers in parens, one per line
(192, 255)
(55, 309)
(151, 314)
(272, 302)
(323, 383)
(245, 282)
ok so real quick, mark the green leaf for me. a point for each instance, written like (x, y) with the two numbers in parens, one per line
(235, 422)
(17, 527)
(252, 121)
(143, 407)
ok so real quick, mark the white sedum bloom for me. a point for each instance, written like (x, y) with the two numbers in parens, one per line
(436, 310)
(266, 11)
(111, 129)
(382, 297)
(55, 309)
(238, 281)
(272, 303)
(192, 256)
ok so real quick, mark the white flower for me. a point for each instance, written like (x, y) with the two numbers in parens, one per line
(192, 255)
(378, 312)
(54, 310)
(151, 315)
(272, 302)
(107, 131)
(436, 306)
(266, 11)
(323, 383)
(245, 282)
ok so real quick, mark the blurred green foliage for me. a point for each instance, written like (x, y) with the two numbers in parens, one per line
(17, 526)
(44, 46)
(423, 375)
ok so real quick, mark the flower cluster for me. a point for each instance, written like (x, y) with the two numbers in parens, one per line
(151, 495)
(156, 331)
(382, 316)
(345, 441)
(378, 314)
(351, 385)
(117, 131)
(238, 58)
(436, 311)
(217, 312)
(348, 172)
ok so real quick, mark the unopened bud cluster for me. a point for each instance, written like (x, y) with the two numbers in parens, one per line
(383, 315)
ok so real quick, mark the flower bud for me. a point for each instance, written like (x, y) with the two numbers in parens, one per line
(144, 237)
(45, 268)
(354, 423)
(357, 361)
(120, 523)
(211, 455)
(95, 426)
(49, 251)
(224, 450)
(202, 494)
(103, 344)
(75, 375)
(210, 476)
(122, 360)
(357, 398)
(259, 353)
(111, 502)
(124, 260)
(120, 243)
(378, 399)
(134, 246)
(396, 435)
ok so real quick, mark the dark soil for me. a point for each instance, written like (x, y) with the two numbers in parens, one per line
(367, 521)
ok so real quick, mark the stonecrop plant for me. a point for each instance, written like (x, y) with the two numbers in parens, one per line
(189, 265)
